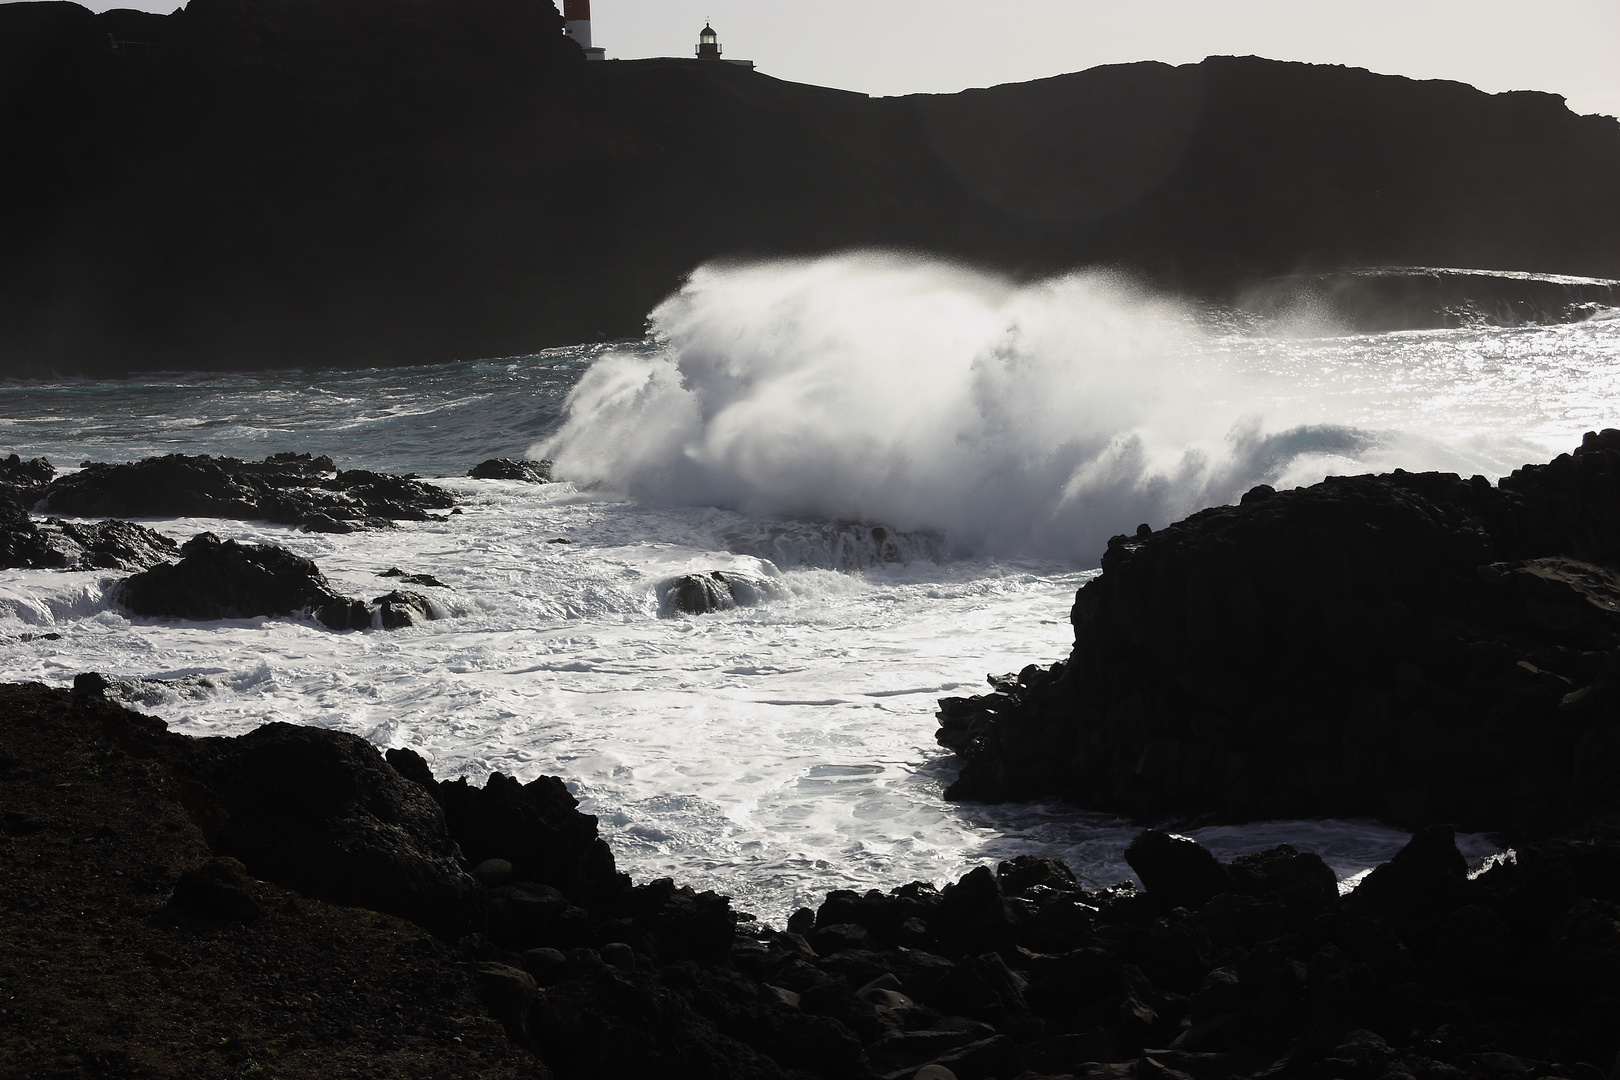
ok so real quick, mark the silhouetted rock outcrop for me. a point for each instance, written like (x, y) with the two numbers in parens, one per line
(257, 183)
(1415, 647)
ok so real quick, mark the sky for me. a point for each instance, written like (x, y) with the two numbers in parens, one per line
(883, 47)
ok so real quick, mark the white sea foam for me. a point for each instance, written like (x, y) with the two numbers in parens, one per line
(1032, 420)
(777, 751)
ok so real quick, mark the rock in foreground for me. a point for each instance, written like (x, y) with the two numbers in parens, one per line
(1250, 968)
(133, 950)
(1413, 647)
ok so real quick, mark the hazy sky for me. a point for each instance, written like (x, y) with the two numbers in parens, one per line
(1569, 47)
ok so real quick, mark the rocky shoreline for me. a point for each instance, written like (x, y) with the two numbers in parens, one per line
(291, 902)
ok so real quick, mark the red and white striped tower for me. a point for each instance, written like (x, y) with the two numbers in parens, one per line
(577, 16)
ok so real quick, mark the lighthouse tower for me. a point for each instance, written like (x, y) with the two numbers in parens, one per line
(577, 20)
(708, 48)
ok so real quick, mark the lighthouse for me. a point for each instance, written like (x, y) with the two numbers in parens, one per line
(708, 44)
(708, 48)
(577, 25)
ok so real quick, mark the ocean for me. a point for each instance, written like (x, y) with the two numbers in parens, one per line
(927, 461)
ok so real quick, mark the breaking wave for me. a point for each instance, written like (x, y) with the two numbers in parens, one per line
(1013, 420)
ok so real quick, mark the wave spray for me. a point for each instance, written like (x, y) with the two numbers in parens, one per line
(1015, 420)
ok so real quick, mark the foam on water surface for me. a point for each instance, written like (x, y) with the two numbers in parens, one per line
(779, 751)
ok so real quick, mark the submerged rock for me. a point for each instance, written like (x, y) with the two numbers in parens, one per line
(534, 472)
(413, 579)
(292, 489)
(718, 590)
(1412, 647)
(397, 609)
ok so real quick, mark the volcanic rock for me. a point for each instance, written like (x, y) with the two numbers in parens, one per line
(533, 472)
(290, 489)
(397, 609)
(322, 812)
(535, 826)
(1413, 647)
(131, 949)
(217, 579)
(718, 590)
(24, 481)
(1429, 973)
(64, 545)
(413, 579)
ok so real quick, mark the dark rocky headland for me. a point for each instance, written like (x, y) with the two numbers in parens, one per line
(271, 183)
(1415, 647)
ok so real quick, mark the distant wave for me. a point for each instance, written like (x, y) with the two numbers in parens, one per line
(1011, 419)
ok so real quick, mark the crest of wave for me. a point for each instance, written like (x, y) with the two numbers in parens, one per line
(1030, 420)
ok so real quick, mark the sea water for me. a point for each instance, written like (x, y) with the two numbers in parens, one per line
(926, 460)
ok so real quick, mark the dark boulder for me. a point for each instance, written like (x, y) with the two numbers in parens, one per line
(409, 764)
(218, 890)
(1298, 879)
(1425, 881)
(533, 472)
(397, 609)
(217, 579)
(322, 812)
(1176, 871)
(291, 489)
(718, 590)
(108, 545)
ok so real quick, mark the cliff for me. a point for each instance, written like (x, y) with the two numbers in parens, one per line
(254, 183)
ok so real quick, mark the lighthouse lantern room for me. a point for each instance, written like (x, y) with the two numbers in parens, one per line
(708, 47)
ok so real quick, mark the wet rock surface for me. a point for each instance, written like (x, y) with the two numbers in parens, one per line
(1412, 647)
(533, 472)
(1248, 968)
(718, 590)
(223, 579)
(24, 481)
(287, 488)
(54, 544)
